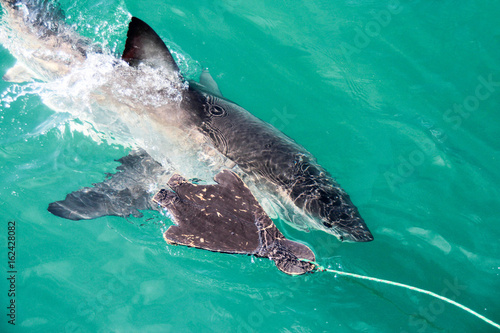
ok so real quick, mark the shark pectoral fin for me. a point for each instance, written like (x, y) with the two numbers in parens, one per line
(93, 202)
(226, 217)
(143, 45)
(18, 74)
(209, 83)
(122, 194)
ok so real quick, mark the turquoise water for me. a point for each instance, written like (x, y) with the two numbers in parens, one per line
(398, 101)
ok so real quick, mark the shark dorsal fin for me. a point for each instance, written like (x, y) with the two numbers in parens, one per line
(209, 83)
(145, 46)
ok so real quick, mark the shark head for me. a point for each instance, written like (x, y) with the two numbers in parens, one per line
(317, 193)
(337, 214)
(345, 222)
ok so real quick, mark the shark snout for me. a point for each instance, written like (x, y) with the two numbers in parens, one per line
(347, 225)
(356, 234)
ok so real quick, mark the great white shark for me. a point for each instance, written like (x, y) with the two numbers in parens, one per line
(258, 149)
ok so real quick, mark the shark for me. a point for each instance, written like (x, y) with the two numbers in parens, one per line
(199, 112)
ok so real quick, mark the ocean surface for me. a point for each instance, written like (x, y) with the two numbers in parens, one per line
(398, 100)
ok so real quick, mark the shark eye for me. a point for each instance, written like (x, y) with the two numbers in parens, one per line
(214, 109)
(217, 110)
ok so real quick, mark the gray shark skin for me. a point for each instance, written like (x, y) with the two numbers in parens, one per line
(262, 151)
(259, 149)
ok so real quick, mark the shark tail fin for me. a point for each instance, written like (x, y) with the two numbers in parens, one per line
(226, 217)
(122, 194)
(143, 45)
